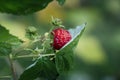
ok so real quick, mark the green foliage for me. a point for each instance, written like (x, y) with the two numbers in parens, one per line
(4, 34)
(64, 62)
(5, 49)
(45, 67)
(64, 57)
(20, 7)
(7, 42)
(42, 68)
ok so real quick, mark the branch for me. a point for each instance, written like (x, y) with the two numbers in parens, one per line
(5, 77)
(12, 67)
(29, 56)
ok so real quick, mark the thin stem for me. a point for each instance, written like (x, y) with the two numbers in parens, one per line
(28, 56)
(5, 77)
(12, 67)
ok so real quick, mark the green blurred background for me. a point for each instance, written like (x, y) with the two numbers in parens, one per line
(97, 55)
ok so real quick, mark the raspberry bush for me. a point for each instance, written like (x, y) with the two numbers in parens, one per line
(52, 52)
(56, 56)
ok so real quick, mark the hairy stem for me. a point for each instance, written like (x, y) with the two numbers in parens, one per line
(12, 67)
(28, 56)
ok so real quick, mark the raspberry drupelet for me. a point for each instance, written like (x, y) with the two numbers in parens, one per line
(60, 38)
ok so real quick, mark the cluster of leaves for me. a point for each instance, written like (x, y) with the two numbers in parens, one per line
(8, 42)
(18, 8)
(50, 63)
(46, 67)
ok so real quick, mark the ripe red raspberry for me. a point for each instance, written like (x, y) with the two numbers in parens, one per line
(61, 37)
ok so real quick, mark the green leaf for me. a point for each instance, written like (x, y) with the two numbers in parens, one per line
(64, 62)
(15, 42)
(5, 49)
(19, 7)
(7, 42)
(61, 2)
(4, 34)
(64, 57)
(42, 68)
